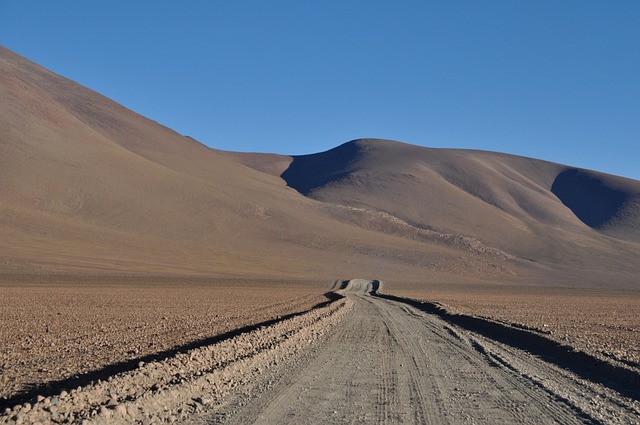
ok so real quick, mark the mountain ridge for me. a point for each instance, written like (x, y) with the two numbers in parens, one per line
(310, 173)
(88, 185)
(504, 200)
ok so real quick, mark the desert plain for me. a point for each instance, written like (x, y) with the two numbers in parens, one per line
(147, 278)
(59, 328)
(602, 322)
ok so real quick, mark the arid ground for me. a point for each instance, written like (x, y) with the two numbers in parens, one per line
(359, 358)
(56, 328)
(147, 277)
(602, 322)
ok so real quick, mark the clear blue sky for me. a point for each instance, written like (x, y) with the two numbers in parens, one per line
(557, 80)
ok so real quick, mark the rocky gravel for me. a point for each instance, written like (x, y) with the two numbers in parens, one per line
(355, 359)
(174, 389)
(59, 331)
(389, 362)
(602, 322)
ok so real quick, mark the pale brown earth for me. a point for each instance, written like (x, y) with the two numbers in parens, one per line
(57, 327)
(601, 322)
(91, 188)
(361, 359)
(175, 388)
(392, 363)
(553, 216)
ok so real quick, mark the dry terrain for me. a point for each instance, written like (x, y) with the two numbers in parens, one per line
(358, 359)
(601, 322)
(54, 328)
(134, 261)
(89, 186)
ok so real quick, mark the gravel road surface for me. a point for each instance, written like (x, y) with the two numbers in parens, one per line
(357, 359)
(387, 362)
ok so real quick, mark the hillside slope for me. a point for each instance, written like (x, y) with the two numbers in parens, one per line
(550, 213)
(88, 185)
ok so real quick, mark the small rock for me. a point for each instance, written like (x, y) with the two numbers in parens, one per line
(49, 330)
(121, 409)
(104, 412)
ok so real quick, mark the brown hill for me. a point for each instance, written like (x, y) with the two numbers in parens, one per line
(553, 214)
(88, 185)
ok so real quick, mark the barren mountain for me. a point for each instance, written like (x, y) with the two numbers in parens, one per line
(148, 277)
(545, 212)
(88, 185)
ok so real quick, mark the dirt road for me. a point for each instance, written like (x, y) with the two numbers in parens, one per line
(356, 358)
(387, 362)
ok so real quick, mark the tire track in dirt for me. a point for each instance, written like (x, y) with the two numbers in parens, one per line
(388, 362)
(177, 388)
(360, 360)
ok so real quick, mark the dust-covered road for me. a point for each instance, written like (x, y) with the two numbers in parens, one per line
(387, 362)
(356, 358)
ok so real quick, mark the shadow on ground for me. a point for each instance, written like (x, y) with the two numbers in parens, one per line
(52, 388)
(618, 378)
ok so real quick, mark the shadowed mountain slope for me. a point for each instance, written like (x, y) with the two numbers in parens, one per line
(608, 203)
(531, 208)
(88, 185)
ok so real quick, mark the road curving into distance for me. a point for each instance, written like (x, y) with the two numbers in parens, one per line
(359, 359)
(388, 362)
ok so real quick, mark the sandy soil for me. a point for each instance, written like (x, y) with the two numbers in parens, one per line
(356, 359)
(181, 386)
(601, 322)
(56, 328)
(390, 363)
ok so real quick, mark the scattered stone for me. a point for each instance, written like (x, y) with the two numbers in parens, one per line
(121, 409)
(233, 360)
(104, 412)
